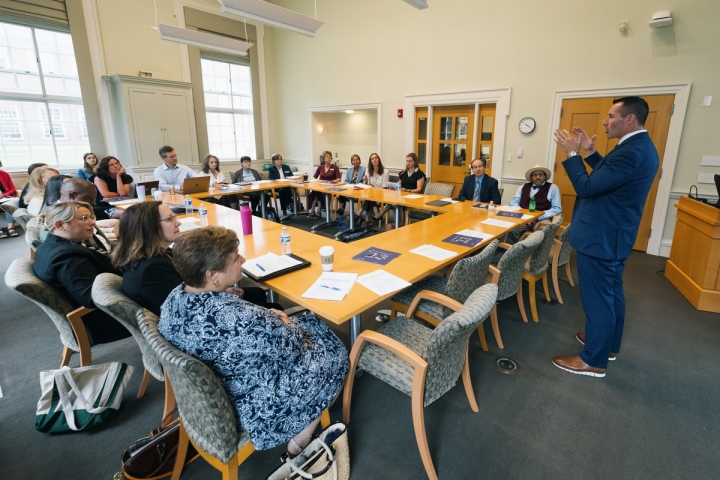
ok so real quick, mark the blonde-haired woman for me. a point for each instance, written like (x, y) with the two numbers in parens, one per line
(66, 264)
(36, 189)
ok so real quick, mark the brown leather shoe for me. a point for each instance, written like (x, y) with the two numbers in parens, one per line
(576, 365)
(581, 338)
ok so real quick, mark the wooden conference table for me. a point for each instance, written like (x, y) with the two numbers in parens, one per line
(408, 266)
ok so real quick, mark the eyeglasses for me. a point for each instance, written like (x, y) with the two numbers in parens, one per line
(170, 156)
(87, 218)
(171, 218)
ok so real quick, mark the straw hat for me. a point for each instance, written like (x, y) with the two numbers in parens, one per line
(529, 172)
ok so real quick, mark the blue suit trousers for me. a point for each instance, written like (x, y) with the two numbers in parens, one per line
(603, 300)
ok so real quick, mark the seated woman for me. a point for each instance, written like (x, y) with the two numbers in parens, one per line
(7, 191)
(277, 172)
(352, 175)
(210, 167)
(145, 257)
(87, 171)
(326, 172)
(375, 176)
(280, 373)
(52, 190)
(111, 181)
(412, 180)
(64, 263)
(247, 175)
(36, 189)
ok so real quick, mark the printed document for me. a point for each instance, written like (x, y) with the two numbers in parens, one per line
(382, 282)
(433, 252)
(331, 286)
(269, 263)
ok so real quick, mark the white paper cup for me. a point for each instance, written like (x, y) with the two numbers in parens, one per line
(327, 255)
(140, 193)
(158, 195)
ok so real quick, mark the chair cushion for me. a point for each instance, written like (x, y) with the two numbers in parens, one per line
(387, 366)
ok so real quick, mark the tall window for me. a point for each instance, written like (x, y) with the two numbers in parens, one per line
(229, 109)
(41, 112)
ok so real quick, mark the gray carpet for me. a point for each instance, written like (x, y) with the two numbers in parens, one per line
(653, 416)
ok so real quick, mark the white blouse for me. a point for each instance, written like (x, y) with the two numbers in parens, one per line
(220, 178)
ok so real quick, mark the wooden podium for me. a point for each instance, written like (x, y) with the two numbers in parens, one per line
(694, 265)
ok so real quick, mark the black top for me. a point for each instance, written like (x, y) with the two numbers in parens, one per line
(21, 202)
(150, 282)
(71, 268)
(112, 184)
(409, 182)
(274, 173)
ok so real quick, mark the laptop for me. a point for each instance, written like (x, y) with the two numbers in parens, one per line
(196, 185)
(148, 186)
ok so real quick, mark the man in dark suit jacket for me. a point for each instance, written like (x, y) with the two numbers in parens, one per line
(605, 222)
(488, 185)
(276, 172)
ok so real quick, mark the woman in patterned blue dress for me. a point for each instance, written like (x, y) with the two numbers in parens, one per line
(280, 373)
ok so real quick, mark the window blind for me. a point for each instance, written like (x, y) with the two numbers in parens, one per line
(50, 14)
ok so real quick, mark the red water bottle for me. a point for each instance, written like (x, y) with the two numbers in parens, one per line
(246, 219)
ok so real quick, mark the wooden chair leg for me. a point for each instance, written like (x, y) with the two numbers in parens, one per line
(496, 327)
(81, 337)
(350, 378)
(230, 470)
(533, 300)
(546, 288)
(556, 285)
(181, 452)
(481, 334)
(325, 419)
(66, 356)
(569, 274)
(521, 302)
(169, 404)
(418, 414)
(144, 383)
(468, 383)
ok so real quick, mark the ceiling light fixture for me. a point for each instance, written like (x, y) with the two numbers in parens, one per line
(419, 4)
(273, 15)
(202, 40)
(349, 111)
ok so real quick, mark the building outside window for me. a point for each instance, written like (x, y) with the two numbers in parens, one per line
(41, 112)
(229, 108)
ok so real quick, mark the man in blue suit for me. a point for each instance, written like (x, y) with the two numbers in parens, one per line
(478, 186)
(605, 222)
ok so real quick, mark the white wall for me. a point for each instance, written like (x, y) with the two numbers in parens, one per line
(345, 134)
(382, 50)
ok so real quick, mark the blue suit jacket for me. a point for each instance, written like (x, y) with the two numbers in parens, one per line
(488, 189)
(610, 200)
(361, 174)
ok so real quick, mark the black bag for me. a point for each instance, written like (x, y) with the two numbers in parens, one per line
(696, 197)
(355, 234)
(153, 457)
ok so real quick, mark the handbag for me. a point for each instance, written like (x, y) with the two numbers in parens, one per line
(75, 399)
(696, 197)
(153, 457)
(327, 457)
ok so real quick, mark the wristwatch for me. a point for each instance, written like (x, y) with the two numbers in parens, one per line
(572, 154)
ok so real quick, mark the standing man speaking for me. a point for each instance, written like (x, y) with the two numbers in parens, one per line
(605, 222)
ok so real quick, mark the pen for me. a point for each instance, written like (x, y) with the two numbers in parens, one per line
(259, 266)
(331, 288)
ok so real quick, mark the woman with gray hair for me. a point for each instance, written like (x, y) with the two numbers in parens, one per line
(280, 373)
(64, 263)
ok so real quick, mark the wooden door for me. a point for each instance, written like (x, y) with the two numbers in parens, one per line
(147, 125)
(589, 114)
(486, 135)
(176, 124)
(421, 127)
(453, 130)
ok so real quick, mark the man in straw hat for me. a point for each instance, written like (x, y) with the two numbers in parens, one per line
(606, 217)
(547, 199)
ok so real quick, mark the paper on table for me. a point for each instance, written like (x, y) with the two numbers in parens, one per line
(473, 233)
(188, 220)
(382, 282)
(269, 263)
(449, 200)
(186, 227)
(264, 181)
(497, 223)
(331, 286)
(413, 196)
(507, 208)
(527, 217)
(361, 185)
(433, 252)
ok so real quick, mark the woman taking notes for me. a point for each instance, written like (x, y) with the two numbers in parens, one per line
(280, 373)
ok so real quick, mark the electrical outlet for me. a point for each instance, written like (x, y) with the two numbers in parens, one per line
(707, 101)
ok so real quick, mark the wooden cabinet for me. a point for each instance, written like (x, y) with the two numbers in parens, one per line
(147, 114)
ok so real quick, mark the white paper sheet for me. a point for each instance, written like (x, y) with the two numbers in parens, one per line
(269, 263)
(507, 208)
(526, 217)
(449, 200)
(188, 220)
(331, 286)
(381, 282)
(186, 227)
(433, 252)
(473, 233)
(497, 223)
(413, 196)
(361, 185)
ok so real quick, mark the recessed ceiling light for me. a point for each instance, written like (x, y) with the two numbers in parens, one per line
(349, 111)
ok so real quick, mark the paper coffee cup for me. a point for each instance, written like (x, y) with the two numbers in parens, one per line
(140, 193)
(158, 195)
(327, 255)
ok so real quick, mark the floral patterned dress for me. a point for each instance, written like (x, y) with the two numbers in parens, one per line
(280, 377)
